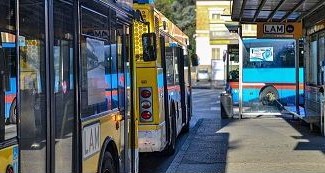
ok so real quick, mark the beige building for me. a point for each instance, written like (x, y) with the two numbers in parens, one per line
(214, 31)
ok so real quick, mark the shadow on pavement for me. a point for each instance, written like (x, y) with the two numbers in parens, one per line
(205, 150)
(309, 140)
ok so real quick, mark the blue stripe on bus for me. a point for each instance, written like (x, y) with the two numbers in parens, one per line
(13, 86)
(285, 95)
(7, 110)
(271, 75)
(254, 40)
(12, 90)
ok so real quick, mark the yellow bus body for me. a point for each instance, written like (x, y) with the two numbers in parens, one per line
(9, 157)
(110, 126)
(152, 134)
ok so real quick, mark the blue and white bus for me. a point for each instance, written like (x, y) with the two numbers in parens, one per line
(268, 72)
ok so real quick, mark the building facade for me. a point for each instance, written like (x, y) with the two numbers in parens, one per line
(214, 32)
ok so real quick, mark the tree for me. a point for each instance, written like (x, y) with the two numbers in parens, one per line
(182, 13)
(164, 6)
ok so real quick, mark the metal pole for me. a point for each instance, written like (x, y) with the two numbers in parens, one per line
(297, 76)
(240, 99)
(240, 79)
(227, 64)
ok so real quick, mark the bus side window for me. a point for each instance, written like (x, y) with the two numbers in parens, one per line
(2, 105)
(96, 57)
(114, 60)
(121, 55)
(176, 63)
(169, 65)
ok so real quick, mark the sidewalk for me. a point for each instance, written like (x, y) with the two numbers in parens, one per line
(262, 145)
(204, 151)
(253, 145)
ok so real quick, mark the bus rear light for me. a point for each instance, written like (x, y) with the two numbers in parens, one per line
(145, 93)
(146, 115)
(145, 104)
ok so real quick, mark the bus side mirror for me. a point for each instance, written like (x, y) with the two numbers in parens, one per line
(195, 60)
(149, 46)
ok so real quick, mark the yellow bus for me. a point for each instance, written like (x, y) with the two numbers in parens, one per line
(164, 88)
(74, 86)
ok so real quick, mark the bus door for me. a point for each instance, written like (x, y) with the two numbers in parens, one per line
(8, 77)
(8, 127)
(232, 71)
(63, 90)
(47, 87)
(8, 71)
(182, 83)
(2, 100)
(177, 88)
(124, 93)
(166, 100)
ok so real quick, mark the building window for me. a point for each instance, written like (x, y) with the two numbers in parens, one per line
(247, 27)
(215, 16)
(216, 53)
(214, 33)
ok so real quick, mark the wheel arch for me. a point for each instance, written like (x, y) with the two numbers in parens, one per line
(264, 96)
(268, 86)
(110, 146)
(12, 108)
(170, 119)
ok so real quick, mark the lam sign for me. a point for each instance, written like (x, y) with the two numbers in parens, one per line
(279, 30)
(90, 140)
(274, 29)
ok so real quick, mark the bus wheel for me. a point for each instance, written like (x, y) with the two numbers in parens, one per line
(13, 112)
(186, 128)
(269, 95)
(170, 150)
(108, 163)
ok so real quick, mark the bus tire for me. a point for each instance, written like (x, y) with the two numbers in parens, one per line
(108, 163)
(170, 150)
(13, 112)
(186, 128)
(268, 95)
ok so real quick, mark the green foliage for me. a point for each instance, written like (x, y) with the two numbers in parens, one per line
(164, 7)
(182, 13)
